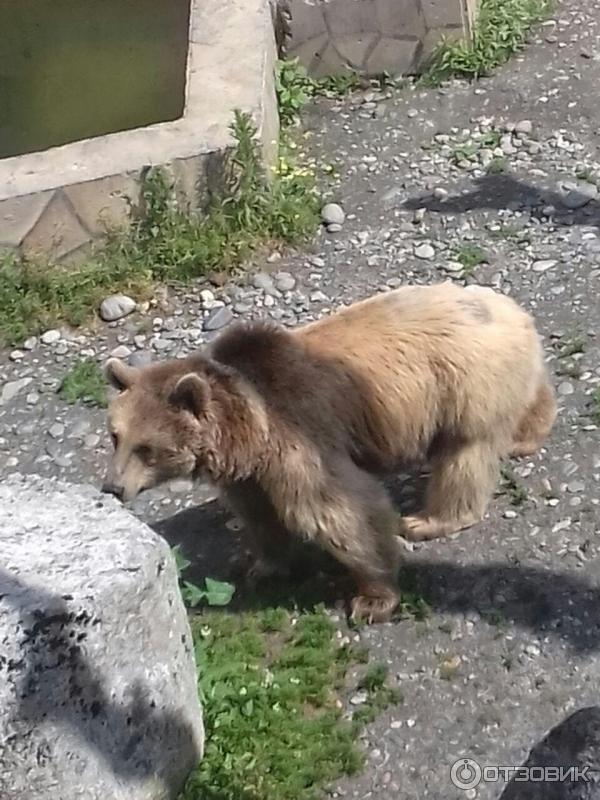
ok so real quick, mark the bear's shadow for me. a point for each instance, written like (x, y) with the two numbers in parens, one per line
(206, 541)
(551, 602)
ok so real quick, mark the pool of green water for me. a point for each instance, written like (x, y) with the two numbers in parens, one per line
(71, 69)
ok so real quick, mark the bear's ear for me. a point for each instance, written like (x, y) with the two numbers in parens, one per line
(119, 374)
(191, 393)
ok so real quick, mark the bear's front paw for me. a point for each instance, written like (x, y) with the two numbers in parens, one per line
(374, 607)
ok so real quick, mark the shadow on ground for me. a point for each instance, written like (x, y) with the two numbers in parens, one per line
(544, 601)
(503, 191)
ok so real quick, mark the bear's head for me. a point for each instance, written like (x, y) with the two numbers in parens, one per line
(177, 419)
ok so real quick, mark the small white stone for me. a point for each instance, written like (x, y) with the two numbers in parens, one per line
(116, 306)
(566, 388)
(525, 127)
(121, 351)
(543, 265)
(50, 337)
(425, 252)
(333, 214)
(207, 298)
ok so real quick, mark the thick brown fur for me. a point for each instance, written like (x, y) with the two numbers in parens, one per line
(295, 425)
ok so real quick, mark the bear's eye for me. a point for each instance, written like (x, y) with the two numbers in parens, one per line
(144, 452)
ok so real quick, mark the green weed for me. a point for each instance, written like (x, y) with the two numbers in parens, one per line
(169, 245)
(500, 31)
(215, 593)
(588, 175)
(511, 487)
(85, 382)
(272, 689)
(294, 88)
(496, 166)
(470, 256)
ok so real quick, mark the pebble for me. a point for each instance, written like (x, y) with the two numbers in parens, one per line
(116, 306)
(544, 265)
(263, 281)
(333, 214)
(17, 355)
(207, 298)
(525, 126)
(121, 351)
(50, 337)
(425, 252)
(91, 440)
(285, 282)
(12, 388)
(218, 318)
(566, 388)
(30, 343)
(56, 431)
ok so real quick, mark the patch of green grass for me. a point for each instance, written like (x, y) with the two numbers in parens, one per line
(509, 232)
(469, 149)
(169, 245)
(295, 87)
(272, 687)
(570, 345)
(567, 349)
(85, 382)
(511, 487)
(496, 166)
(470, 255)
(500, 31)
(465, 151)
(588, 175)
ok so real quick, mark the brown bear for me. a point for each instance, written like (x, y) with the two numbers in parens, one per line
(295, 425)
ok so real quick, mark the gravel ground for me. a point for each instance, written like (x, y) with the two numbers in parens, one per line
(493, 184)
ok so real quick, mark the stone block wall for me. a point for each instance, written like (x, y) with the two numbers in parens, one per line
(372, 36)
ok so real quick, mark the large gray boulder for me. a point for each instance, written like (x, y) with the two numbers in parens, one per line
(98, 696)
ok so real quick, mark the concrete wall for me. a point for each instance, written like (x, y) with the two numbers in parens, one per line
(373, 36)
(56, 203)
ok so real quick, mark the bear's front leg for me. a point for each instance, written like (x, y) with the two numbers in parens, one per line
(265, 542)
(352, 517)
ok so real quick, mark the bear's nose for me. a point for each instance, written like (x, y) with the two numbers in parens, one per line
(114, 489)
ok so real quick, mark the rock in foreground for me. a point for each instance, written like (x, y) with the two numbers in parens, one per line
(98, 692)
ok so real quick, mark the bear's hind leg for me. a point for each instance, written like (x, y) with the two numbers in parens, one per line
(458, 490)
(536, 423)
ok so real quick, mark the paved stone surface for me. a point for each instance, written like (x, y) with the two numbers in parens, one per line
(98, 690)
(477, 173)
(373, 36)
